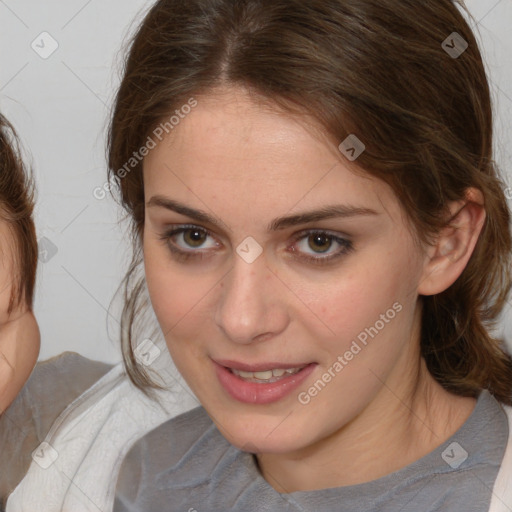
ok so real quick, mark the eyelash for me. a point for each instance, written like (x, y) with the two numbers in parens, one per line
(180, 255)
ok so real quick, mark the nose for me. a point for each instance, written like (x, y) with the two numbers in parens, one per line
(251, 307)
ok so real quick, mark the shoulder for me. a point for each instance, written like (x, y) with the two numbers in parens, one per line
(76, 369)
(177, 439)
(51, 387)
(502, 490)
(189, 439)
(56, 382)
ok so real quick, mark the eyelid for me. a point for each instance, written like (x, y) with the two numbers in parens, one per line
(339, 238)
(177, 228)
(308, 231)
(181, 228)
(345, 243)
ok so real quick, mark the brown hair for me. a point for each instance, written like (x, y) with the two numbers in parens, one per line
(373, 68)
(16, 209)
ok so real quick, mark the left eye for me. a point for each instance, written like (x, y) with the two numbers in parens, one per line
(320, 242)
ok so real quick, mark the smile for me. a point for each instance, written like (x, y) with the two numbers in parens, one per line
(259, 385)
(267, 375)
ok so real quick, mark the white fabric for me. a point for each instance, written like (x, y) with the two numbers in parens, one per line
(76, 468)
(501, 500)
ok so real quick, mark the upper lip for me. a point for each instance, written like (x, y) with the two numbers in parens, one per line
(257, 367)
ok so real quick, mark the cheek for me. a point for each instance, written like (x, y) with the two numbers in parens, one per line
(178, 295)
(371, 302)
(168, 295)
(178, 300)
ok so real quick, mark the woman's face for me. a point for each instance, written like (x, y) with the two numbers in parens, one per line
(257, 281)
(19, 332)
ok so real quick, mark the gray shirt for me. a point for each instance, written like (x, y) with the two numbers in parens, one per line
(52, 386)
(186, 465)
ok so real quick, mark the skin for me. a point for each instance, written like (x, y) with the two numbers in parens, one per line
(245, 164)
(19, 332)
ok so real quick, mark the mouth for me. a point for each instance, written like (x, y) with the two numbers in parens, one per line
(266, 376)
(261, 372)
(261, 383)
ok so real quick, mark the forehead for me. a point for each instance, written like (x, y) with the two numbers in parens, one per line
(232, 145)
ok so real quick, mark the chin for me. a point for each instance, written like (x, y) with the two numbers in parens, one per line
(259, 434)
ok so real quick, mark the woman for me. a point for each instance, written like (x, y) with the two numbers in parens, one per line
(326, 245)
(19, 339)
(19, 332)
(30, 398)
(69, 415)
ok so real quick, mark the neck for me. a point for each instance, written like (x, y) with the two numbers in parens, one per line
(394, 430)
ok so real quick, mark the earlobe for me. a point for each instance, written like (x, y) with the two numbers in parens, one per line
(446, 260)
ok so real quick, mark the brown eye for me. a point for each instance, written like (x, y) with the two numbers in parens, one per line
(184, 240)
(194, 237)
(319, 242)
(309, 246)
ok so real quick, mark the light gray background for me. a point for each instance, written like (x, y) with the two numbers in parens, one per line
(60, 107)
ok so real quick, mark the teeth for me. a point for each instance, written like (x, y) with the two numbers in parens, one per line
(263, 375)
(245, 375)
(267, 374)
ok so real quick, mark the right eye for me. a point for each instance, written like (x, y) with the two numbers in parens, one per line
(191, 237)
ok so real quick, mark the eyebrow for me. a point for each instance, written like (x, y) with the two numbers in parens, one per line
(279, 223)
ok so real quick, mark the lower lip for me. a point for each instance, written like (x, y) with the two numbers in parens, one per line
(254, 393)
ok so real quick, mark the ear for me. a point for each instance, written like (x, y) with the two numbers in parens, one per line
(446, 260)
